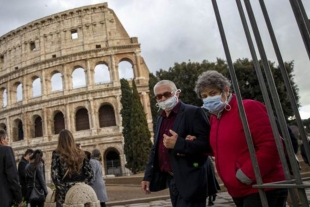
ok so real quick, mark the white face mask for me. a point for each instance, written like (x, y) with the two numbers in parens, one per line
(168, 104)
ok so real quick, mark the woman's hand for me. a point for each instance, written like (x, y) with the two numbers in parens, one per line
(190, 137)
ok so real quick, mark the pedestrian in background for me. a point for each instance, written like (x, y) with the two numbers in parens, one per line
(22, 173)
(69, 166)
(35, 177)
(10, 190)
(97, 182)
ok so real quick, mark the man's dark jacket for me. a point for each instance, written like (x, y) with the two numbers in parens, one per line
(187, 158)
(22, 175)
(10, 189)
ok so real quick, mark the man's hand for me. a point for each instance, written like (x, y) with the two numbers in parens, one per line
(169, 142)
(145, 186)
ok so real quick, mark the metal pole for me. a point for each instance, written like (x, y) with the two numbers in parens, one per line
(285, 76)
(276, 100)
(240, 105)
(301, 22)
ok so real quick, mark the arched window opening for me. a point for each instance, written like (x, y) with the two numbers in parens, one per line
(78, 78)
(56, 82)
(106, 116)
(3, 127)
(4, 98)
(59, 122)
(36, 88)
(19, 92)
(113, 163)
(81, 119)
(18, 131)
(102, 74)
(38, 132)
(125, 70)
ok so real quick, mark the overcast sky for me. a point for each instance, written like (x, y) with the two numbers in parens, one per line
(181, 30)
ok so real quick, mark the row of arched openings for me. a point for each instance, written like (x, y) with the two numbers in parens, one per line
(78, 77)
(106, 119)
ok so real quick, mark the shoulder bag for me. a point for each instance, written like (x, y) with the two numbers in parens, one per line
(36, 194)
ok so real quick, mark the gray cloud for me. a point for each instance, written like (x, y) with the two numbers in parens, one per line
(175, 31)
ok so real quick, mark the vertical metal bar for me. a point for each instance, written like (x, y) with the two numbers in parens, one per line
(284, 75)
(276, 100)
(301, 22)
(240, 104)
(264, 90)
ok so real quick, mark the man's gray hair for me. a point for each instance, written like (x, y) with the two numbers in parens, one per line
(211, 79)
(165, 82)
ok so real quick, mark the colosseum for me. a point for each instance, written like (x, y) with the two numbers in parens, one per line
(64, 71)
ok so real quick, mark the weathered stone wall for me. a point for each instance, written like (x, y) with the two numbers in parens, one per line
(47, 46)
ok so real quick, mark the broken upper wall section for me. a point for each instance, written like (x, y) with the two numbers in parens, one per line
(94, 27)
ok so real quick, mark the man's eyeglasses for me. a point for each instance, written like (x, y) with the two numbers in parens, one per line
(167, 94)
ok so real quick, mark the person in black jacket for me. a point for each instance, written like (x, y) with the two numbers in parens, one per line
(35, 177)
(21, 172)
(175, 162)
(9, 184)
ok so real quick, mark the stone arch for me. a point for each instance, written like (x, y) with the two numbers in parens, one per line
(3, 126)
(78, 77)
(4, 97)
(125, 69)
(102, 73)
(37, 129)
(18, 131)
(112, 161)
(106, 116)
(81, 119)
(59, 122)
(56, 81)
(17, 92)
(36, 86)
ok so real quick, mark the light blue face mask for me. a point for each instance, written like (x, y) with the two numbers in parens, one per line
(214, 104)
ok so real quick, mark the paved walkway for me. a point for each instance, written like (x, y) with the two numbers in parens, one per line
(222, 200)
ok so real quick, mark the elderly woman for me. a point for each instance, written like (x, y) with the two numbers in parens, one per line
(69, 166)
(229, 145)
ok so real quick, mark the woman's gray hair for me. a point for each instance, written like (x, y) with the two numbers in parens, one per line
(165, 82)
(211, 79)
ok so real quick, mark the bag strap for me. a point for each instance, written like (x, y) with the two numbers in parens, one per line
(34, 177)
(65, 174)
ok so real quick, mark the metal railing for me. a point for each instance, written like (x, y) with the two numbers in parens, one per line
(304, 26)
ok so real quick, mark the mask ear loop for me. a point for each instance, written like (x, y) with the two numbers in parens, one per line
(227, 106)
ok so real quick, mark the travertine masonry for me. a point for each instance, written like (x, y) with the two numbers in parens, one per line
(37, 93)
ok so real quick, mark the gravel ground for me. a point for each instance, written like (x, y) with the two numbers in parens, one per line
(129, 192)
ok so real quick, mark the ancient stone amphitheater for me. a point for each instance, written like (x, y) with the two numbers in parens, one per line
(64, 71)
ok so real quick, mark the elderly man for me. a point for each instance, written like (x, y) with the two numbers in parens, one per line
(9, 185)
(175, 161)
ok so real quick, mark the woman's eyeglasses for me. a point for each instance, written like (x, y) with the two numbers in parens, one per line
(166, 95)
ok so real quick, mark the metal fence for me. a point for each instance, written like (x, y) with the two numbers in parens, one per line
(304, 26)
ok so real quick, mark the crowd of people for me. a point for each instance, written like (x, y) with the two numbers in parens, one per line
(70, 165)
(187, 141)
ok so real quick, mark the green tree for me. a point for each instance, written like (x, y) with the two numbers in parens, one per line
(126, 101)
(139, 134)
(154, 110)
(250, 88)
